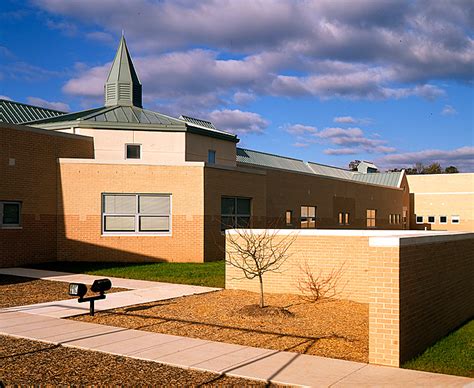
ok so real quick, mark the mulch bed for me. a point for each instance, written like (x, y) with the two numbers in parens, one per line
(19, 291)
(25, 362)
(337, 329)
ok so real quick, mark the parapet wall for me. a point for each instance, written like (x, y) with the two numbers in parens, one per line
(417, 284)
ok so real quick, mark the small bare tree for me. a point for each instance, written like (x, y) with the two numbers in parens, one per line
(257, 252)
(315, 287)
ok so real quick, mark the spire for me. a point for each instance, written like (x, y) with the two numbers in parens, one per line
(123, 86)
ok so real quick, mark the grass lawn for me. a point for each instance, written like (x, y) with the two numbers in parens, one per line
(210, 274)
(452, 355)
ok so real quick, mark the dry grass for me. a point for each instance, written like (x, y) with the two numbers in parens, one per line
(19, 291)
(337, 329)
(27, 363)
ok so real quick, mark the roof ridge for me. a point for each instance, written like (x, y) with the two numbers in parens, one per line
(64, 116)
(328, 165)
(270, 154)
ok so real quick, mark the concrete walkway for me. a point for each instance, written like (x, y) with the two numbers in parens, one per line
(68, 277)
(41, 322)
(233, 360)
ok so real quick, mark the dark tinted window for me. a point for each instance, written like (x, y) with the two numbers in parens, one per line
(133, 151)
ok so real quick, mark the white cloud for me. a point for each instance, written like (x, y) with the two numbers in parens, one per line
(5, 98)
(238, 122)
(342, 151)
(351, 120)
(61, 106)
(299, 129)
(448, 110)
(462, 158)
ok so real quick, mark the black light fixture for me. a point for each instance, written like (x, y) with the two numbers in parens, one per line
(80, 290)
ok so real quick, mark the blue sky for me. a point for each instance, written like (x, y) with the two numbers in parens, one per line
(326, 81)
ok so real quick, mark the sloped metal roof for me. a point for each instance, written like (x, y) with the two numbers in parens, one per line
(200, 122)
(263, 159)
(335, 172)
(391, 179)
(116, 114)
(18, 113)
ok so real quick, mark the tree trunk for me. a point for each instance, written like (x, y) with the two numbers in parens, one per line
(262, 301)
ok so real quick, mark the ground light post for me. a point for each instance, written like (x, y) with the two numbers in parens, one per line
(80, 290)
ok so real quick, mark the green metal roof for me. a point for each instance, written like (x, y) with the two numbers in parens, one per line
(335, 172)
(263, 159)
(380, 178)
(18, 113)
(200, 122)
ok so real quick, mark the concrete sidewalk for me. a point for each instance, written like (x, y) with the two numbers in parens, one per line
(233, 360)
(78, 278)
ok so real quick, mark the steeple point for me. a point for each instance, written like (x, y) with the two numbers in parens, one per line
(123, 86)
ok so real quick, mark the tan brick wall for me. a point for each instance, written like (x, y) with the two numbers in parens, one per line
(33, 181)
(80, 234)
(323, 255)
(419, 287)
(443, 195)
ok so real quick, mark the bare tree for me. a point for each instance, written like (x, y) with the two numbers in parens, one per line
(258, 252)
(315, 287)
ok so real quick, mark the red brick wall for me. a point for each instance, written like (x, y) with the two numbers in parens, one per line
(33, 181)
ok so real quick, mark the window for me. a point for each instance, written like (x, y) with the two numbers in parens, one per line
(289, 217)
(397, 217)
(136, 213)
(235, 212)
(308, 217)
(390, 220)
(10, 214)
(211, 157)
(344, 218)
(443, 219)
(371, 218)
(431, 219)
(455, 219)
(419, 219)
(133, 151)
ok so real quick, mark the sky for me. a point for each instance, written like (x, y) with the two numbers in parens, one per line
(327, 81)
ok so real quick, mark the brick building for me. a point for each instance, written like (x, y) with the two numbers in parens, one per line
(123, 183)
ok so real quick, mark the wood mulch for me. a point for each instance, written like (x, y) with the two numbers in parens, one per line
(337, 328)
(19, 291)
(28, 363)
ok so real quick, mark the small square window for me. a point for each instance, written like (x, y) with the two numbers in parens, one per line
(133, 151)
(455, 219)
(419, 219)
(431, 219)
(211, 157)
(443, 219)
(10, 214)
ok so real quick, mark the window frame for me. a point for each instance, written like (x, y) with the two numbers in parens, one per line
(290, 212)
(137, 216)
(457, 218)
(422, 219)
(441, 222)
(11, 226)
(434, 220)
(374, 218)
(209, 153)
(308, 217)
(139, 148)
(236, 215)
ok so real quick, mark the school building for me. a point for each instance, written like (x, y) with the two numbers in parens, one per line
(123, 183)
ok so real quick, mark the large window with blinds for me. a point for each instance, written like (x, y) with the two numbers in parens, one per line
(136, 213)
